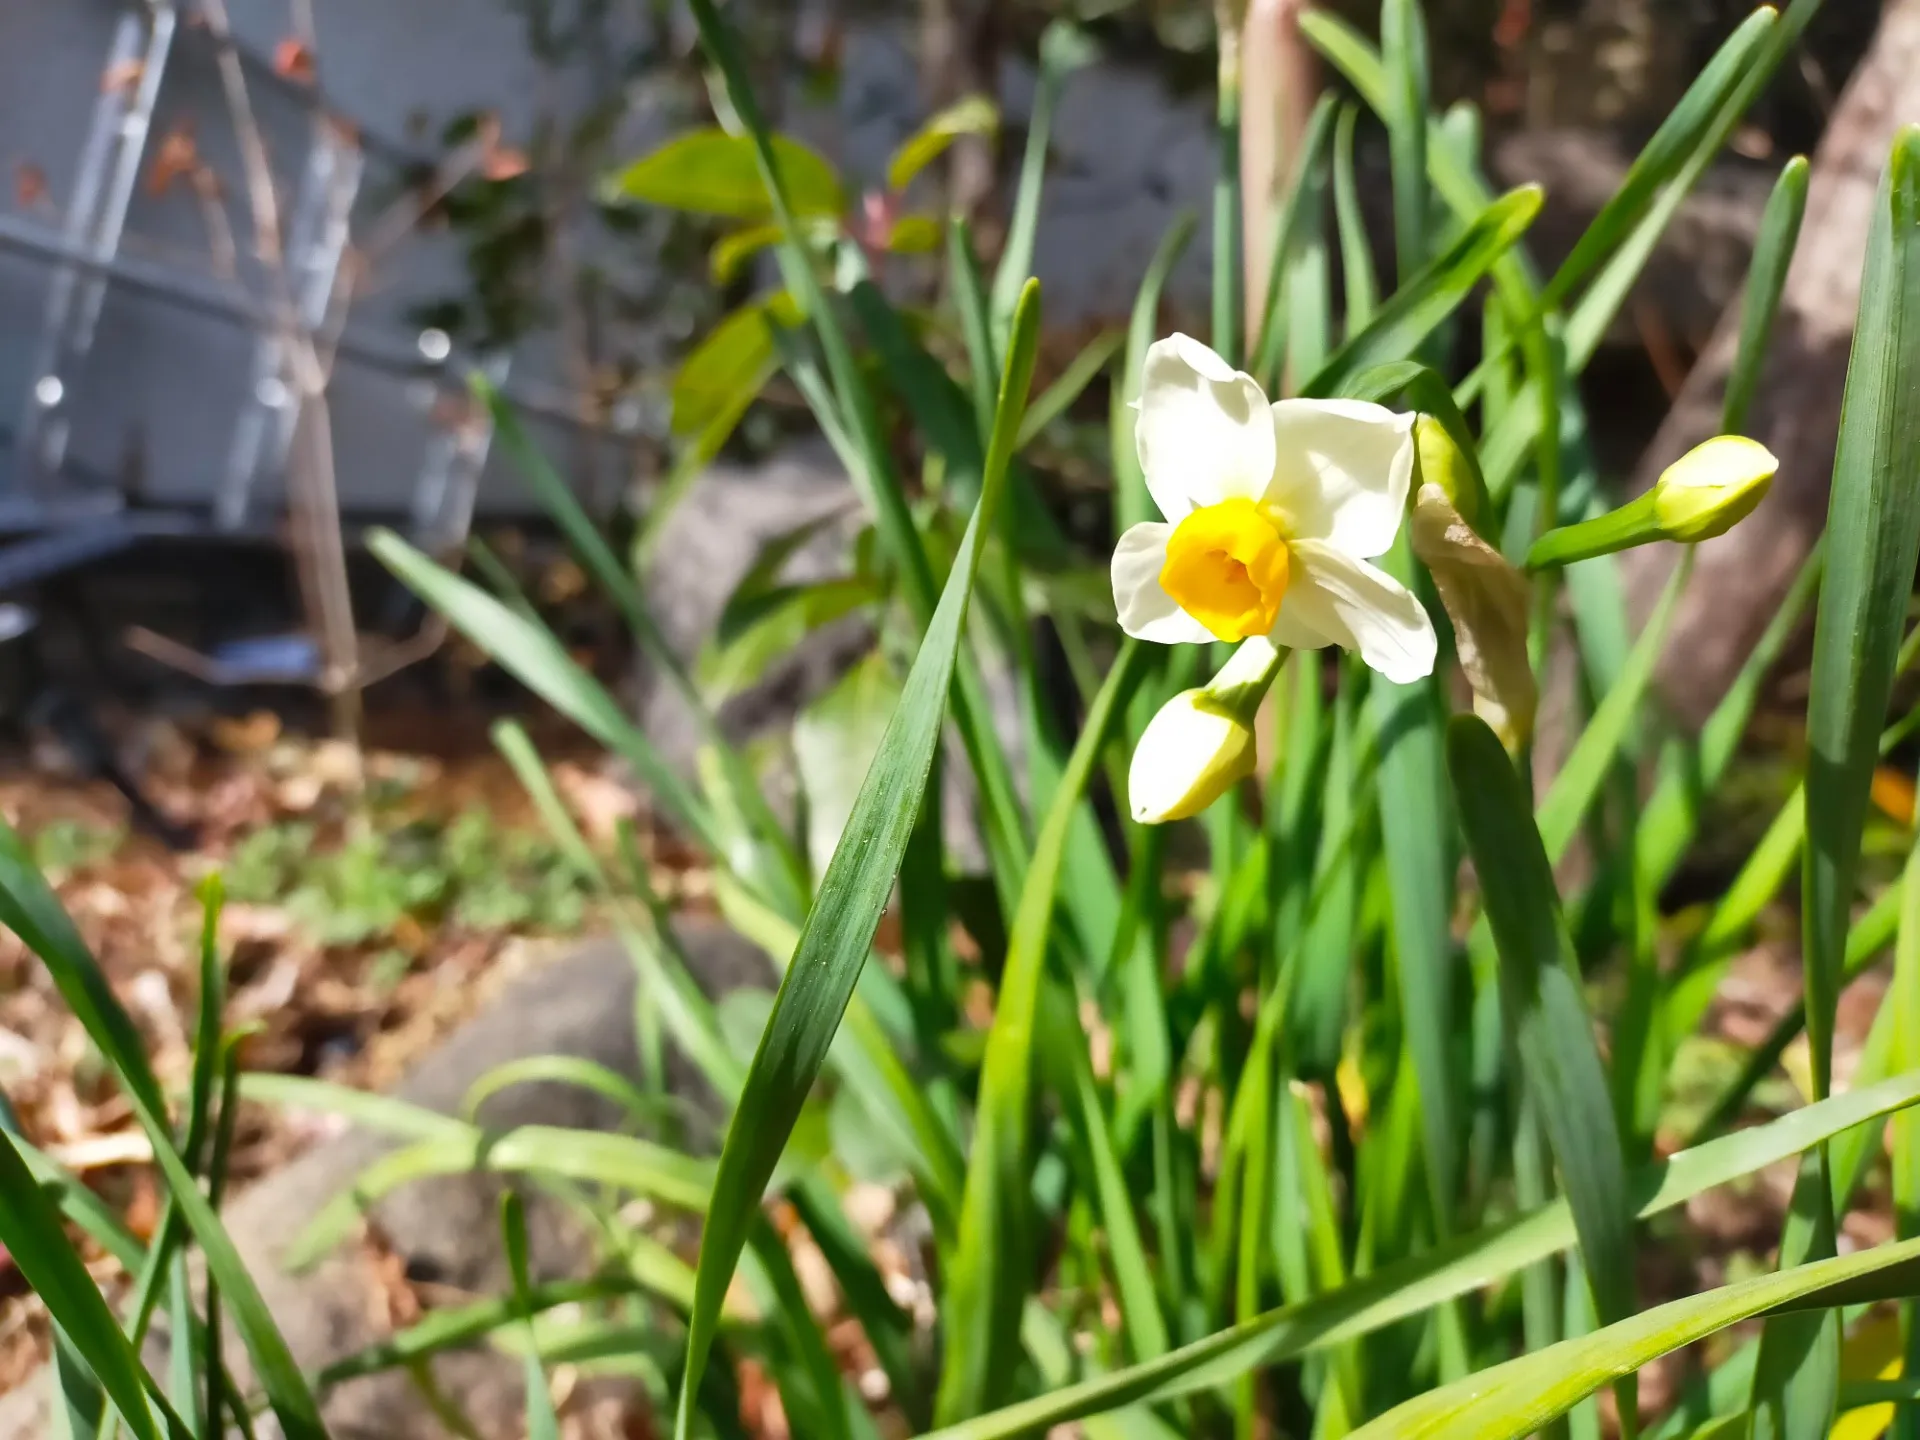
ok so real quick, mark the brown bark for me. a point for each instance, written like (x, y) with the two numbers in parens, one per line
(1739, 579)
(959, 56)
(1278, 82)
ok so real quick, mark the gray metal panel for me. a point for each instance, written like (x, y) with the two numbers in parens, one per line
(161, 391)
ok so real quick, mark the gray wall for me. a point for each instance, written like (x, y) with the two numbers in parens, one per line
(165, 385)
(163, 388)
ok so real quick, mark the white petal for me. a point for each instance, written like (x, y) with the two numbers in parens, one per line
(1147, 612)
(1203, 432)
(1356, 605)
(1341, 472)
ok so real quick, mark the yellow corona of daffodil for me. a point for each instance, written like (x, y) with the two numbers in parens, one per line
(1273, 512)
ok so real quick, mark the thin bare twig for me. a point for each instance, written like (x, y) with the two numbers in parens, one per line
(313, 504)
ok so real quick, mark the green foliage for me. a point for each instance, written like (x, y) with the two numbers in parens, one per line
(467, 873)
(63, 846)
(973, 115)
(1295, 1124)
(713, 173)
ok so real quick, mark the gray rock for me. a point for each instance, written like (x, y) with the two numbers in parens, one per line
(707, 545)
(713, 537)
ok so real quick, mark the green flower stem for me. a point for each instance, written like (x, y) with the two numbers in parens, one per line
(1244, 680)
(1634, 523)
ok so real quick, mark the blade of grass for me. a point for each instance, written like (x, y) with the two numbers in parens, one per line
(542, 1422)
(1254, 1101)
(618, 1161)
(1093, 890)
(976, 328)
(987, 1281)
(875, 476)
(1063, 49)
(1773, 249)
(78, 1404)
(381, 1114)
(1457, 183)
(1409, 1287)
(1356, 250)
(1058, 398)
(853, 892)
(1415, 835)
(1578, 785)
(80, 1206)
(1323, 961)
(1132, 1271)
(1544, 1011)
(1873, 530)
(571, 1070)
(1229, 278)
(1797, 1373)
(1307, 338)
(202, 1084)
(534, 656)
(221, 1391)
(1403, 56)
(30, 1230)
(1690, 773)
(560, 503)
(1516, 1399)
(29, 907)
(1903, 1134)
(1873, 540)
(1427, 298)
(457, 1327)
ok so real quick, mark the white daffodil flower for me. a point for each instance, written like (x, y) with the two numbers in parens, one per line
(1272, 513)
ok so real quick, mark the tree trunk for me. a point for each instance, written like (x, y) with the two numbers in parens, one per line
(1739, 578)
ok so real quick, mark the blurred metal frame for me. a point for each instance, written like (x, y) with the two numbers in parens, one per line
(63, 516)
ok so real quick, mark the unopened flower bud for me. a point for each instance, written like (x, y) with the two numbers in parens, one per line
(1712, 488)
(1194, 751)
(1442, 462)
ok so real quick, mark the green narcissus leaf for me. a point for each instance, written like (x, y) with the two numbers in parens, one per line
(710, 172)
(730, 366)
(972, 115)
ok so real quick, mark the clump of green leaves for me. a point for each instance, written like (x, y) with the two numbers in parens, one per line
(469, 872)
(66, 845)
(1333, 1135)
